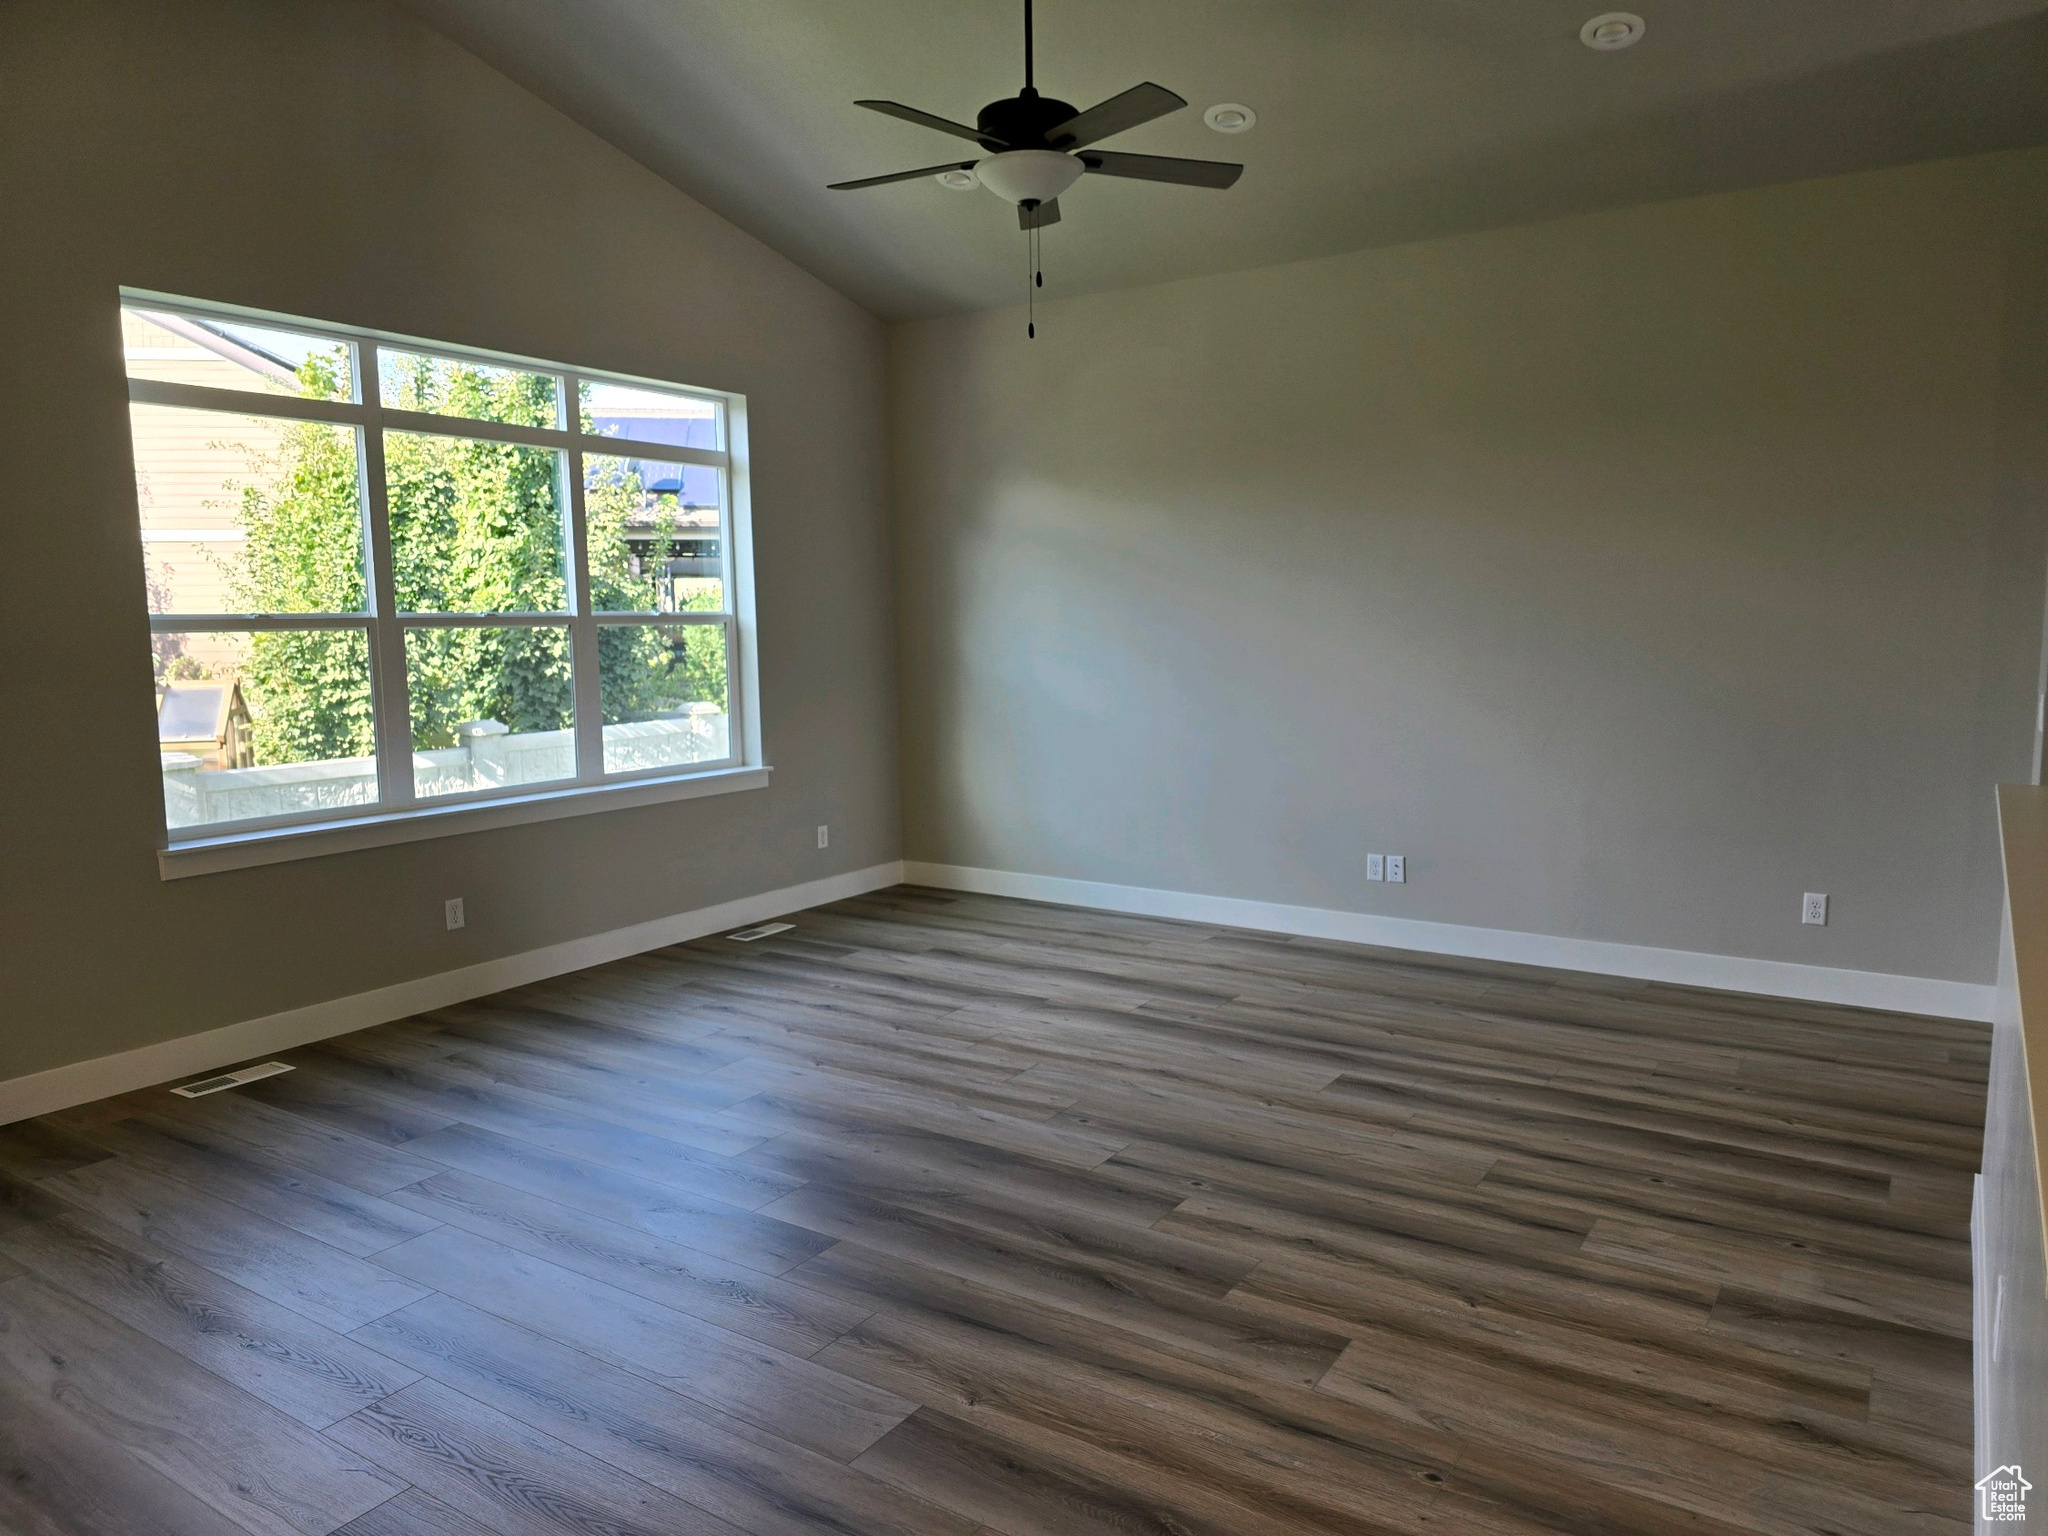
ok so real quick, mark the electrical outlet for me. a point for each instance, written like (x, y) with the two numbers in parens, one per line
(1397, 869)
(452, 910)
(1375, 866)
(1815, 909)
(824, 837)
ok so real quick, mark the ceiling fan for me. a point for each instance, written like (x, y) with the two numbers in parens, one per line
(1037, 146)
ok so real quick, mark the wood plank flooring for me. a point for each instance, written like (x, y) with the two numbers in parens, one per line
(944, 1215)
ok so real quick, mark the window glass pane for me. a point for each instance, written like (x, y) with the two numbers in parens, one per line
(665, 690)
(247, 514)
(649, 415)
(476, 527)
(655, 536)
(491, 707)
(271, 724)
(230, 354)
(444, 386)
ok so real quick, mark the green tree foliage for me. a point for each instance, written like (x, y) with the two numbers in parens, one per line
(646, 671)
(476, 527)
(309, 693)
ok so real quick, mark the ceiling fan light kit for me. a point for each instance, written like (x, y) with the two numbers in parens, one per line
(1029, 175)
(1036, 147)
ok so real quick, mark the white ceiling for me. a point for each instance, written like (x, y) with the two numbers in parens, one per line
(1380, 121)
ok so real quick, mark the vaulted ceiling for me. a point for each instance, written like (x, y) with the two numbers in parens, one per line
(1380, 121)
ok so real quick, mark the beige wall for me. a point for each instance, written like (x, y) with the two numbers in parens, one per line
(1630, 574)
(339, 160)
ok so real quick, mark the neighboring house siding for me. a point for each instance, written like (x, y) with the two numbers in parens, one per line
(189, 472)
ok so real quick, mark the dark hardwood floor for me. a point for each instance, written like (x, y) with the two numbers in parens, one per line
(945, 1214)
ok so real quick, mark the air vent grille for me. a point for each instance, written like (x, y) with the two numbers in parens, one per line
(235, 1079)
(760, 931)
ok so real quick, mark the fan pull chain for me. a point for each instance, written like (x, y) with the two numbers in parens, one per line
(1034, 280)
(1030, 287)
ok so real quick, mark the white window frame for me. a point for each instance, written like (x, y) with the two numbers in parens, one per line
(399, 815)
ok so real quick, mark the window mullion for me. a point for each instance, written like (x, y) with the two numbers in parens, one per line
(638, 448)
(735, 703)
(728, 565)
(743, 706)
(391, 701)
(254, 623)
(475, 428)
(244, 402)
(736, 737)
(586, 687)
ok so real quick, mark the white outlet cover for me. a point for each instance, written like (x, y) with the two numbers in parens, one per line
(1397, 869)
(1375, 866)
(452, 910)
(1814, 908)
(824, 837)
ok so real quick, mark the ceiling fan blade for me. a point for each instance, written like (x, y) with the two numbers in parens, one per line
(1186, 173)
(1140, 104)
(882, 181)
(1038, 217)
(926, 119)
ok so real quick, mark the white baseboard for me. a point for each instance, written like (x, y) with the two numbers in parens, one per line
(1727, 973)
(1983, 1297)
(81, 1082)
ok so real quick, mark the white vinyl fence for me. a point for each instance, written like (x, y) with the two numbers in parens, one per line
(490, 757)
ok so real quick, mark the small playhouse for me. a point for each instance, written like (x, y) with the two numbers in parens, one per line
(206, 719)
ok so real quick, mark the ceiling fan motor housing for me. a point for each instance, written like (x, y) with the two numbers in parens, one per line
(1022, 122)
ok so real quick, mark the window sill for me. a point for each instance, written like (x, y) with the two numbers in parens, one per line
(278, 845)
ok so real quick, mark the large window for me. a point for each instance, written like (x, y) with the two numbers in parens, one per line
(388, 576)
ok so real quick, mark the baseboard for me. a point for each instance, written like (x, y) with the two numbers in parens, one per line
(1727, 973)
(81, 1082)
(1983, 1296)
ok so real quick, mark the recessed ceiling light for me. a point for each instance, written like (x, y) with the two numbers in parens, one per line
(1230, 117)
(1614, 29)
(958, 180)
